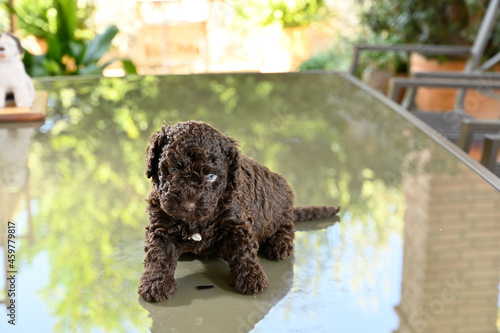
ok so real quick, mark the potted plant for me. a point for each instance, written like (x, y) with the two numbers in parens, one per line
(68, 46)
(441, 22)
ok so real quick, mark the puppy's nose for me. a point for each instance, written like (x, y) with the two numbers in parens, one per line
(1, 48)
(188, 205)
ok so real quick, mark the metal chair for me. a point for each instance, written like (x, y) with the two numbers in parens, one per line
(489, 130)
(472, 77)
(474, 52)
(448, 124)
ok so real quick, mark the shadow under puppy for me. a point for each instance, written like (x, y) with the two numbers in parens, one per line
(210, 199)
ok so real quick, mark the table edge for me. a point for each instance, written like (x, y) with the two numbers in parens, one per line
(474, 165)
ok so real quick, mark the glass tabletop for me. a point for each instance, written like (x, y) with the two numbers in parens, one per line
(415, 247)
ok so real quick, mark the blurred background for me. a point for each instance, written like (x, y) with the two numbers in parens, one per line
(189, 36)
(68, 37)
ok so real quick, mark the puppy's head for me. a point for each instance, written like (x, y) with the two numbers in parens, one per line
(191, 166)
(10, 46)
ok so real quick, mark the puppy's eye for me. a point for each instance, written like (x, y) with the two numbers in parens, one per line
(174, 170)
(211, 177)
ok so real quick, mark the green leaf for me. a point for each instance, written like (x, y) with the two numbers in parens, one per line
(66, 19)
(51, 67)
(129, 67)
(77, 49)
(54, 48)
(109, 62)
(91, 69)
(8, 7)
(97, 47)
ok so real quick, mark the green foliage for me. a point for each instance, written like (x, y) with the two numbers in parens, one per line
(39, 17)
(339, 58)
(69, 56)
(328, 60)
(286, 13)
(423, 22)
(446, 22)
(72, 49)
(443, 22)
(5, 10)
(393, 62)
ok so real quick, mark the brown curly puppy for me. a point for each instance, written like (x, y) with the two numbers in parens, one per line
(209, 199)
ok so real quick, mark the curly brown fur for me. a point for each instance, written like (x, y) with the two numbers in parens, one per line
(203, 185)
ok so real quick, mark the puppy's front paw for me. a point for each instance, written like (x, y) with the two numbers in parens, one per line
(156, 286)
(250, 282)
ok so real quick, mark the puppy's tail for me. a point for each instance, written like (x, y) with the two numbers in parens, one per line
(309, 213)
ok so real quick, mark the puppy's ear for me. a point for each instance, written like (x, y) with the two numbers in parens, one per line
(157, 141)
(18, 42)
(230, 149)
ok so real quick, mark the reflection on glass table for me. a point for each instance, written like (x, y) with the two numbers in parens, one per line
(415, 248)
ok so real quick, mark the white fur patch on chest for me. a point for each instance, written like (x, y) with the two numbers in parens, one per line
(196, 237)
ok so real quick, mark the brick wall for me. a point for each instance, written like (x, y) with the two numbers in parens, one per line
(451, 262)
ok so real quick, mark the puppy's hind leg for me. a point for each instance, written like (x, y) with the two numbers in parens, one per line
(280, 245)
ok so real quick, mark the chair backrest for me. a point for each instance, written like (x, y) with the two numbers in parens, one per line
(491, 148)
(483, 35)
(477, 49)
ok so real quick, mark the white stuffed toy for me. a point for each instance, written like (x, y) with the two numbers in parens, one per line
(13, 77)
